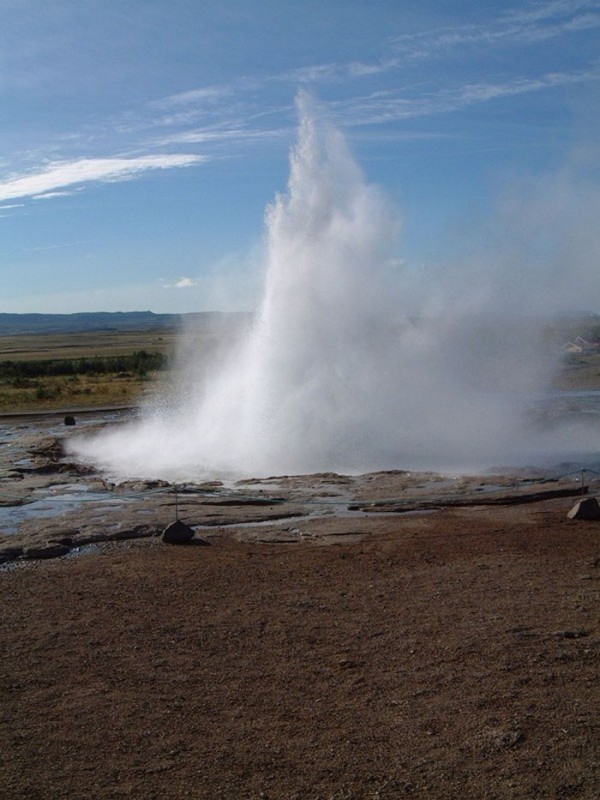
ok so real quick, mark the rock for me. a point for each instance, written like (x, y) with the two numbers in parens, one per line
(67, 540)
(177, 533)
(143, 486)
(50, 448)
(10, 554)
(572, 634)
(92, 538)
(46, 551)
(69, 420)
(587, 508)
(243, 501)
(139, 532)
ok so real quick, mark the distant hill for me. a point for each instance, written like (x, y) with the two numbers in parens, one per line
(11, 324)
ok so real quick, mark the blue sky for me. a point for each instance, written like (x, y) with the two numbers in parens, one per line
(142, 139)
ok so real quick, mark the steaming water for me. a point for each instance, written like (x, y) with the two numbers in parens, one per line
(343, 370)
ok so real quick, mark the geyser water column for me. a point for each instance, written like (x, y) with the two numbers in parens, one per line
(297, 396)
(332, 375)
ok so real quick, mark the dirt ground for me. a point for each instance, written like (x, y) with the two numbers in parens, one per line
(451, 654)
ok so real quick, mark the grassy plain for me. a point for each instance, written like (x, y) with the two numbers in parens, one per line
(51, 392)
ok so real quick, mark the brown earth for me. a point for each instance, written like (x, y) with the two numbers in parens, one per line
(444, 655)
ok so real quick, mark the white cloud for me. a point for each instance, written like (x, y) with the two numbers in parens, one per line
(60, 174)
(182, 283)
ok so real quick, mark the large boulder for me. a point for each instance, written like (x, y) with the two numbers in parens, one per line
(177, 533)
(586, 508)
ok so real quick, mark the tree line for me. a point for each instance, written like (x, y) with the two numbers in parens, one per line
(139, 363)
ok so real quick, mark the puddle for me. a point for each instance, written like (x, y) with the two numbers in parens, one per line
(274, 522)
(415, 512)
(84, 550)
(61, 489)
(55, 505)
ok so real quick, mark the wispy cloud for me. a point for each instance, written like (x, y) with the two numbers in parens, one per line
(316, 73)
(381, 107)
(204, 95)
(534, 22)
(253, 109)
(478, 92)
(61, 174)
(52, 195)
(212, 135)
(61, 246)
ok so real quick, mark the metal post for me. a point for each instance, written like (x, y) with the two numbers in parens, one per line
(582, 484)
(176, 505)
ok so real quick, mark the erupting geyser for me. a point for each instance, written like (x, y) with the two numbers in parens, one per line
(340, 370)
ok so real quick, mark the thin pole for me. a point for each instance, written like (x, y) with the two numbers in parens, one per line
(582, 484)
(176, 505)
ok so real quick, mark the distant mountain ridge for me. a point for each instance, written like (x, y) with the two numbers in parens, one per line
(11, 324)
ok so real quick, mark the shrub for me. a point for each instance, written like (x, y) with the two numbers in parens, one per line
(48, 392)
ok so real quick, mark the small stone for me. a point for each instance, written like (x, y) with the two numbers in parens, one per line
(572, 634)
(10, 554)
(69, 420)
(46, 551)
(66, 540)
(92, 538)
(177, 533)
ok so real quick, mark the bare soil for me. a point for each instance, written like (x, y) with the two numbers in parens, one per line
(451, 654)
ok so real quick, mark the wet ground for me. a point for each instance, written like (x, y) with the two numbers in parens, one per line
(50, 505)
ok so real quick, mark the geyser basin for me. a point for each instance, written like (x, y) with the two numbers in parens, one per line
(343, 370)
